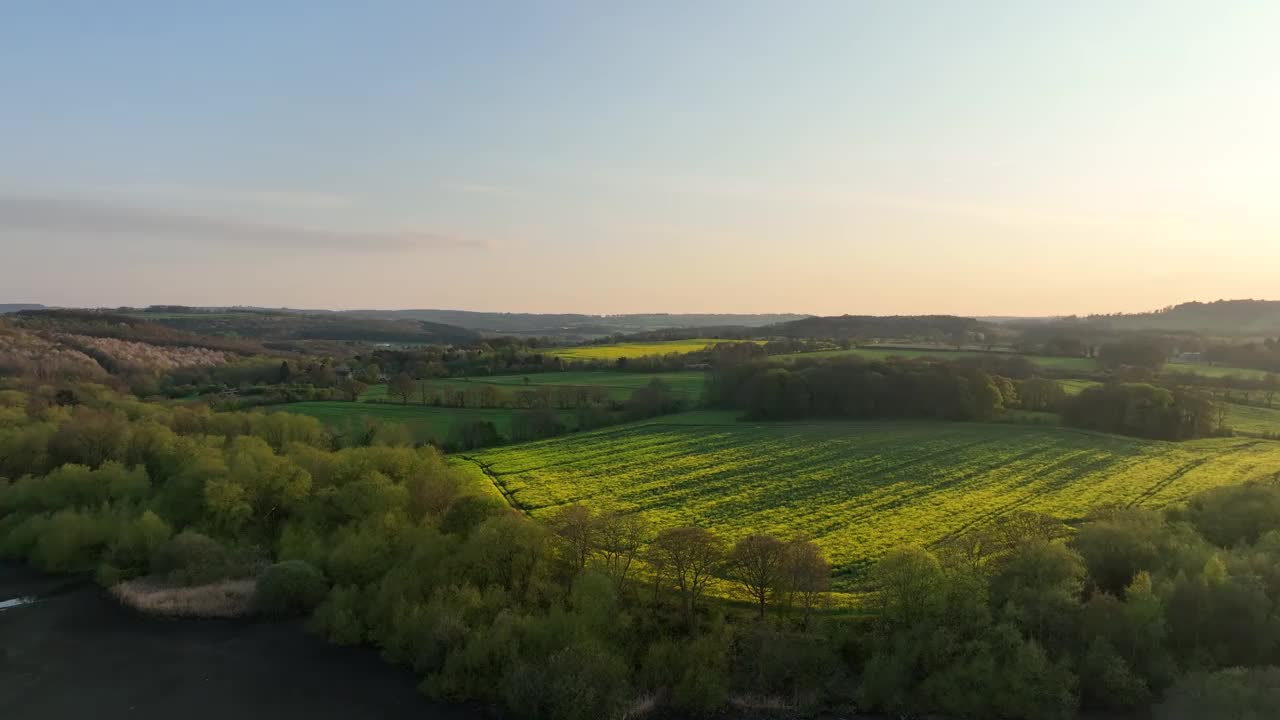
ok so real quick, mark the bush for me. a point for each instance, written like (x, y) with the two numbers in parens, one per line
(71, 540)
(340, 618)
(580, 682)
(693, 674)
(194, 559)
(467, 512)
(130, 554)
(1238, 693)
(292, 587)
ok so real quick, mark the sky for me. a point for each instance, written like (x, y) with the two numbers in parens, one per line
(981, 158)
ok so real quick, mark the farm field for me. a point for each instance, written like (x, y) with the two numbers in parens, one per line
(861, 488)
(636, 349)
(1071, 364)
(1214, 371)
(1075, 387)
(425, 422)
(687, 384)
(1253, 420)
(877, 353)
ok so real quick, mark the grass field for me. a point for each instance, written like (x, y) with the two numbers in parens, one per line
(861, 488)
(687, 384)
(1074, 387)
(875, 353)
(424, 421)
(1253, 420)
(636, 349)
(1052, 363)
(1215, 371)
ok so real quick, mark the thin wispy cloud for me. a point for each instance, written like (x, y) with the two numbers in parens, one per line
(468, 187)
(270, 198)
(73, 216)
(832, 195)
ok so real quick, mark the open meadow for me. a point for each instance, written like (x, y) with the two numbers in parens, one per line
(685, 384)
(425, 422)
(861, 488)
(1251, 420)
(881, 353)
(1214, 371)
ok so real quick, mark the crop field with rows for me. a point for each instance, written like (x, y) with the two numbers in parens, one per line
(861, 488)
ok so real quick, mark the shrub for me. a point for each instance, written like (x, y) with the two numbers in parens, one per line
(130, 553)
(191, 558)
(1248, 694)
(71, 540)
(467, 512)
(292, 587)
(580, 682)
(340, 618)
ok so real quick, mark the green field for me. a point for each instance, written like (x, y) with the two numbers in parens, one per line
(878, 353)
(1074, 387)
(687, 384)
(636, 349)
(1251, 420)
(425, 422)
(1215, 371)
(861, 488)
(1071, 364)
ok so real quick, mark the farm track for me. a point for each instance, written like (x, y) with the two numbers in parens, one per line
(497, 483)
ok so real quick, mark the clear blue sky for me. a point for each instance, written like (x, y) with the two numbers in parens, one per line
(975, 157)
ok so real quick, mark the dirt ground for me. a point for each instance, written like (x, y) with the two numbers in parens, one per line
(77, 654)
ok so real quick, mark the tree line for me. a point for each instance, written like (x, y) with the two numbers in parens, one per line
(959, 390)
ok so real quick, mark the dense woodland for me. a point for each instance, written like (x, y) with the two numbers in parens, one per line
(899, 388)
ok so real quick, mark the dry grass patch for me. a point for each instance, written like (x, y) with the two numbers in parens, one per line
(224, 599)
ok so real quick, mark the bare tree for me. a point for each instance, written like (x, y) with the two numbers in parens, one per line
(576, 524)
(756, 562)
(402, 386)
(352, 388)
(806, 575)
(620, 537)
(691, 555)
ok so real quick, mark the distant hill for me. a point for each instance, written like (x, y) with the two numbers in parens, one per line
(905, 327)
(1222, 317)
(278, 325)
(6, 308)
(239, 330)
(573, 324)
(120, 326)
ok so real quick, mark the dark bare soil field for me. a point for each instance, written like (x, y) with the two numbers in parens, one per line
(75, 653)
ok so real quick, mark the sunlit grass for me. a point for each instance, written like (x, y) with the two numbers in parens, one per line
(861, 488)
(636, 349)
(425, 422)
(686, 383)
